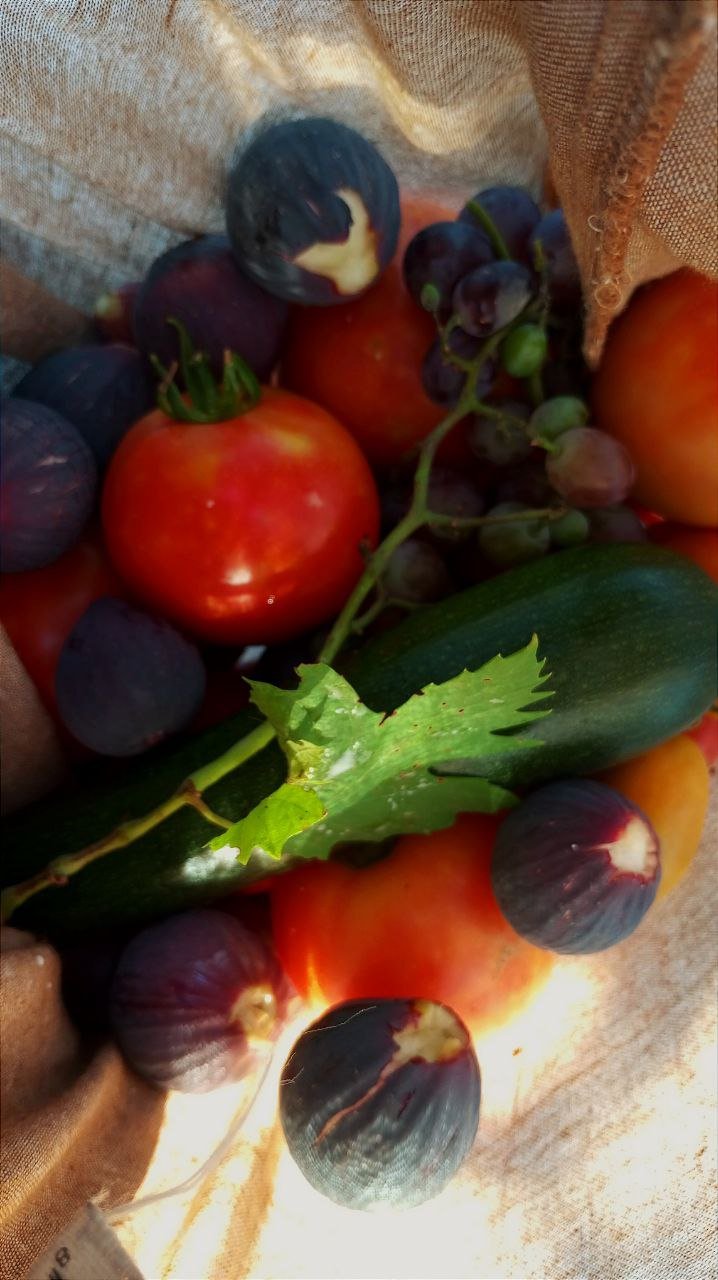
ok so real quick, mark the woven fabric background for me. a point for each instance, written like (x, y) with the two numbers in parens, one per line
(119, 118)
(597, 1153)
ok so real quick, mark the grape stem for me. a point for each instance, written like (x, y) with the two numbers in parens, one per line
(58, 872)
(498, 243)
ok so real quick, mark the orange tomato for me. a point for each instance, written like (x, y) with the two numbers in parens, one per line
(671, 785)
(422, 921)
(656, 390)
(699, 545)
(362, 361)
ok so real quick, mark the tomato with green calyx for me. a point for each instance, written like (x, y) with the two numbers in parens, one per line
(363, 360)
(241, 513)
(424, 918)
(656, 390)
(39, 609)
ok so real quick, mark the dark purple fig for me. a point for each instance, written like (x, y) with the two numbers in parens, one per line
(200, 284)
(379, 1102)
(575, 867)
(48, 480)
(513, 213)
(312, 211)
(126, 680)
(101, 390)
(196, 1001)
(113, 312)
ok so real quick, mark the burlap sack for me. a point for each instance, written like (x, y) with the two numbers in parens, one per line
(596, 1155)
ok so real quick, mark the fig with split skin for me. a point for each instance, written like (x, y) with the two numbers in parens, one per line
(379, 1102)
(312, 211)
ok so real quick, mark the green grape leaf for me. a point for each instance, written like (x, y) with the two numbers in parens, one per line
(363, 775)
(271, 823)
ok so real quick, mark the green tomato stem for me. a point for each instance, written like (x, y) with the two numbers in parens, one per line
(205, 400)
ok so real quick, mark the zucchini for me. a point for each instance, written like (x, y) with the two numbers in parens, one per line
(629, 634)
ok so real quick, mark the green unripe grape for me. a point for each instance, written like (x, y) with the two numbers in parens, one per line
(524, 350)
(513, 542)
(554, 416)
(430, 297)
(570, 530)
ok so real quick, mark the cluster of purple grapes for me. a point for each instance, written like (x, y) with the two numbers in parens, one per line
(506, 272)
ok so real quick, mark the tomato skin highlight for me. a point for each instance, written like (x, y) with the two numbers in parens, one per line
(362, 361)
(243, 531)
(39, 609)
(424, 919)
(656, 390)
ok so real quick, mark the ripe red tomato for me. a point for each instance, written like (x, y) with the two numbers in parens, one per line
(656, 390)
(422, 921)
(699, 545)
(362, 361)
(244, 531)
(39, 609)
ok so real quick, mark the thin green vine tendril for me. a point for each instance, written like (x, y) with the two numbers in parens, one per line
(190, 793)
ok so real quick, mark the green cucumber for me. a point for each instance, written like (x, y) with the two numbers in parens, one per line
(629, 635)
